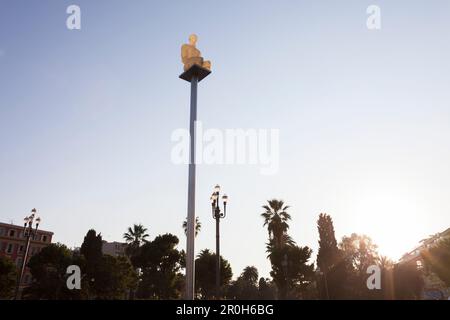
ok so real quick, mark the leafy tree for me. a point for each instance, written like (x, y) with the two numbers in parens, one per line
(205, 274)
(340, 280)
(408, 281)
(8, 277)
(360, 250)
(266, 289)
(107, 277)
(334, 269)
(114, 278)
(358, 253)
(198, 226)
(437, 259)
(160, 263)
(91, 249)
(328, 254)
(246, 285)
(290, 270)
(48, 268)
(183, 259)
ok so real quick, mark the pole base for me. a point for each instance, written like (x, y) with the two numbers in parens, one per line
(197, 71)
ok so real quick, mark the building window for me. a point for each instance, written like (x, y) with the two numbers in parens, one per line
(12, 233)
(21, 249)
(44, 238)
(9, 249)
(1, 231)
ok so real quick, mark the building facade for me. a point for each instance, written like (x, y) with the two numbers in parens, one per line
(13, 244)
(115, 249)
(434, 287)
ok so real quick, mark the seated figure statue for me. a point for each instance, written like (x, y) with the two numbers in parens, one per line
(190, 55)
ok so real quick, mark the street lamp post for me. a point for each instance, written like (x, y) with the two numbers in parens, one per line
(29, 233)
(217, 215)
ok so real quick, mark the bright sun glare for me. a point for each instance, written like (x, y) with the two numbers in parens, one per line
(392, 218)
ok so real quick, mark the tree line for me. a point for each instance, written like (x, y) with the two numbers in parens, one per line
(153, 269)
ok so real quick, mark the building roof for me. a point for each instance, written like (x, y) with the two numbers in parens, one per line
(14, 226)
(425, 243)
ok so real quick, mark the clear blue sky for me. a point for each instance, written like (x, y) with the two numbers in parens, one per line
(86, 117)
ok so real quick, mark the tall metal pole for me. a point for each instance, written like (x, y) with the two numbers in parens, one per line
(194, 75)
(190, 265)
(217, 251)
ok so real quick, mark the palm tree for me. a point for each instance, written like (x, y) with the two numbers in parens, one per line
(135, 237)
(198, 226)
(276, 219)
(272, 246)
(250, 275)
